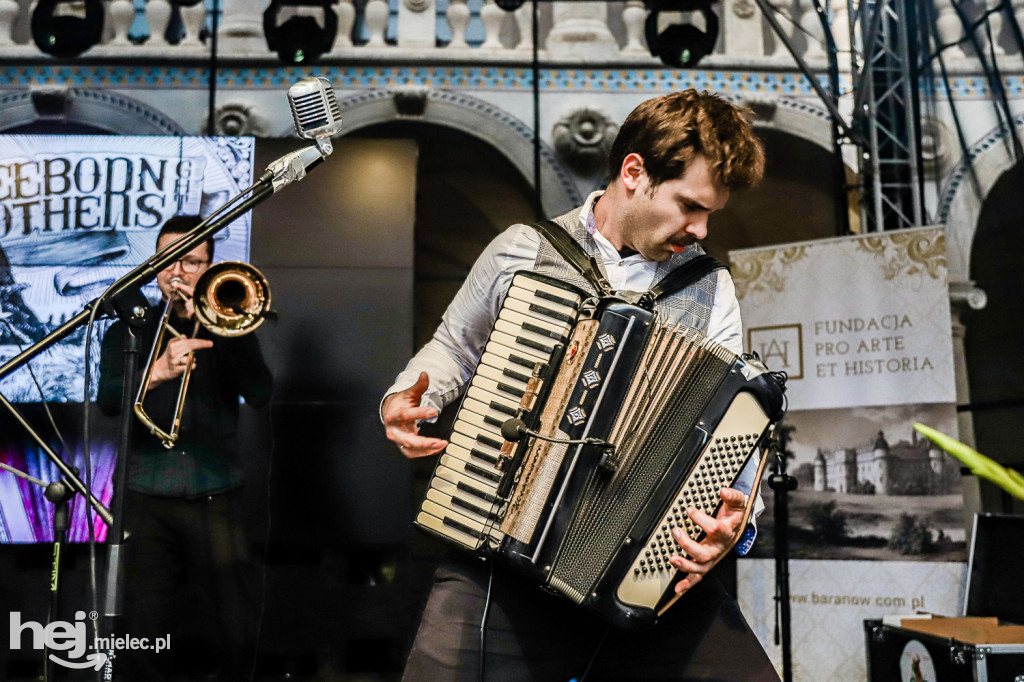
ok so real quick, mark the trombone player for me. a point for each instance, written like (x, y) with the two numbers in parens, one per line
(185, 506)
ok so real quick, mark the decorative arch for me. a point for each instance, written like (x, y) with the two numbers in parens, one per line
(961, 200)
(106, 110)
(472, 116)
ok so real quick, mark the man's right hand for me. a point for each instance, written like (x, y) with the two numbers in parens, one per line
(401, 411)
(172, 363)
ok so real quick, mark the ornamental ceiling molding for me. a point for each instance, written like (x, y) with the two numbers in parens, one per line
(102, 109)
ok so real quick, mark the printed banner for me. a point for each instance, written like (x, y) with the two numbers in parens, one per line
(854, 321)
(77, 212)
(829, 601)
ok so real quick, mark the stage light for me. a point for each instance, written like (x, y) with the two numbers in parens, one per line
(69, 33)
(681, 45)
(300, 39)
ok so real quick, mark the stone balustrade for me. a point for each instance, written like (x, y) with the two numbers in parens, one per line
(479, 31)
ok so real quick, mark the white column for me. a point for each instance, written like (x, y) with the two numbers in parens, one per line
(158, 15)
(376, 14)
(996, 22)
(416, 24)
(346, 19)
(193, 18)
(949, 27)
(634, 14)
(121, 14)
(580, 29)
(240, 28)
(787, 27)
(524, 22)
(742, 29)
(458, 20)
(813, 32)
(8, 17)
(491, 15)
(841, 24)
(1018, 13)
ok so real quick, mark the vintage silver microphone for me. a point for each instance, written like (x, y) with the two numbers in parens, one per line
(317, 117)
(315, 111)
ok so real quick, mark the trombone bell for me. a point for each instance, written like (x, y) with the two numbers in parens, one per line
(231, 298)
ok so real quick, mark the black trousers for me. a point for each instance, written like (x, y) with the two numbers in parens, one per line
(187, 574)
(531, 635)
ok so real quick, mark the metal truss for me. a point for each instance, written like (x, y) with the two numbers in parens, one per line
(886, 112)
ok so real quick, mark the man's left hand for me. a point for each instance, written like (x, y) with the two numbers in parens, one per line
(720, 533)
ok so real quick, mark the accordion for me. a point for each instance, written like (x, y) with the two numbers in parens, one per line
(625, 422)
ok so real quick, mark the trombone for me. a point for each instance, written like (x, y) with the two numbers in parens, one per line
(230, 299)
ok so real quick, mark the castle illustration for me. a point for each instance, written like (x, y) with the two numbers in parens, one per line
(906, 468)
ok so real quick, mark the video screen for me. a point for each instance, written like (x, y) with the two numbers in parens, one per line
(76, 213)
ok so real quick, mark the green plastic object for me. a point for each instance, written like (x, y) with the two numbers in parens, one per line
(980, 465)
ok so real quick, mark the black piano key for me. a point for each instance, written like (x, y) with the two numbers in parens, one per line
(524, 362)
(466, 488)
(463, 528)
(511, 390)
(459, 502)
(496, 444)
(557, 336)
(502, 408)
(555, 299)
(480, 471)
(515, 375)
(493, 421)
(530, 343)
(479, 454)
(548, 312)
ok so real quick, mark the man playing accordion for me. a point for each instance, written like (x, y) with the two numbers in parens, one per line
(674, 162)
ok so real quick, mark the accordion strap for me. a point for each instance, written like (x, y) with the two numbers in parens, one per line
(677, 280)
(569, 249)
(683, 276)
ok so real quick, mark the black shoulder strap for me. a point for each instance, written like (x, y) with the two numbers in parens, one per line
(683, 276)
(573, 253)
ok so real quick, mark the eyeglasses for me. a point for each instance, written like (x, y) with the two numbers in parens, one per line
(188, 265)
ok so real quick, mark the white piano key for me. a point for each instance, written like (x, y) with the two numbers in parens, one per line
(491, 386)
(552, 329)
(476, 471)
(478, 488)
(485, 396)
(467, 509)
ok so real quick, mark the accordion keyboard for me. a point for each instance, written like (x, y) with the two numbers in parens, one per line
(462, 501)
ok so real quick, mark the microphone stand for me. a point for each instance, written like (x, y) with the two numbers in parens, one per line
(124, 299)
(782, 484)
(60, 494)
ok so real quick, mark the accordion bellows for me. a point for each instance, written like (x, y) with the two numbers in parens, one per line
(661, 418)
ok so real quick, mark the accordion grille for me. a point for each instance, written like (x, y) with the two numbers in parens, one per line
(675, 387)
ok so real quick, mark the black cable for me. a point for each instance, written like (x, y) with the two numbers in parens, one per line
(87, 454)
(597, 650)
(1018, 150)
(538, 209)
(266, 537)
(965, 152)
(789, 17)
(211, 127)
(42, 396)
(483, 617)
(1002, 104)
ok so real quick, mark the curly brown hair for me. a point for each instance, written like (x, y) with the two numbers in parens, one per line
(667, 132)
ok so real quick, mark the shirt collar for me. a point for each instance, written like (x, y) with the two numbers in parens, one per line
(587, 212)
